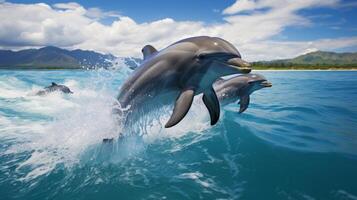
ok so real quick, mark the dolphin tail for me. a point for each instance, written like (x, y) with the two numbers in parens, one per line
(182, 105)
(211, 101)
(244, 103)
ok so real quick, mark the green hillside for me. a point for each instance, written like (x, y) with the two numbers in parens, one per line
(56, 58)
(313, 60)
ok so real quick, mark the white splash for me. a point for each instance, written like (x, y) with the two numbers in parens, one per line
(65, 126)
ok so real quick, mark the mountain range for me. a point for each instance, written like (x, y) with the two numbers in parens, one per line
(51, 57)
(313, 60)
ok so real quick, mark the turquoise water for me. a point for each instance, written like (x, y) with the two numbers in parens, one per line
(297, 140)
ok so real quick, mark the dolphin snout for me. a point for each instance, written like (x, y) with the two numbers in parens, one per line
(239, 62)
(243, 66)
(266, 84)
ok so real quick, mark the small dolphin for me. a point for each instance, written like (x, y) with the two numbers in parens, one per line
(54, 87)
(178, 73)
(239, 87)
(108, 140)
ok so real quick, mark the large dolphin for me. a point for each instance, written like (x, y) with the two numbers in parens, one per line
(53, 88)
(239, 87)
(174, 75)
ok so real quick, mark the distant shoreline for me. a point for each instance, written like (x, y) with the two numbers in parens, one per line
(83, 69)
(309, 67)
(304, 70)
(43, 69)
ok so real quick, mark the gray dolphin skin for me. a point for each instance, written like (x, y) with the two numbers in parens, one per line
(53, 88)
(239, 87)
(174, 75)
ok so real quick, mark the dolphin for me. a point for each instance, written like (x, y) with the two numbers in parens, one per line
(54, 87)
(239, 87)
(174, 75)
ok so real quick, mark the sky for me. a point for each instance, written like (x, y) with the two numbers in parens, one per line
(260, 29)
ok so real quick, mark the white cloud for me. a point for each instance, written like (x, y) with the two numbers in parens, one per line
(39, 25)
(251, 5)
(279, 50)
(67, 6)
(216, 10)
(97, 13)
(241, 5)
(71, 25)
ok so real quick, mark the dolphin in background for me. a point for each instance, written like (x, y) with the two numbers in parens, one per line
(53, 88)
(174, 75)
(239, 87)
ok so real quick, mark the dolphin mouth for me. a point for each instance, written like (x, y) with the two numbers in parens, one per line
(266, 84)
(243, 66)
(243, 70)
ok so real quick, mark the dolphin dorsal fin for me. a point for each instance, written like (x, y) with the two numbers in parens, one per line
(148, 50)
(53, 83)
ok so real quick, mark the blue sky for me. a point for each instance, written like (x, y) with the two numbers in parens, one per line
(261, 29)
(142, 10)
(327, 22)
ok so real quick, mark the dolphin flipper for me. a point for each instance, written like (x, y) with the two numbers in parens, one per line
(244, 103)
(182, 105)
(211, 101)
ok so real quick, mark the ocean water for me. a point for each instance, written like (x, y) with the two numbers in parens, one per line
(297, 140)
